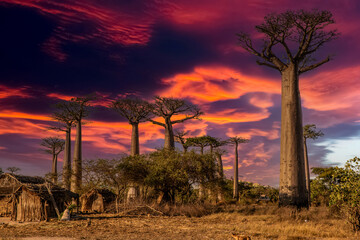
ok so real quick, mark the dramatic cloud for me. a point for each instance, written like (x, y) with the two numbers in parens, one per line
(184, 49)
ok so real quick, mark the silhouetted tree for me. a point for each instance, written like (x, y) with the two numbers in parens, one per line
(13, 170)
(236, 141)
(290, 41)
(66, 122)
(180, 138)
(309, 132)
(54, 146)
(77, 108)
(166, 108)
(135, 111)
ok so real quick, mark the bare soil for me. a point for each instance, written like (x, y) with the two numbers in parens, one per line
(314, 225)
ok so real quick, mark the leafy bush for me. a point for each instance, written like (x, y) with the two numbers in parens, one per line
(346, 191)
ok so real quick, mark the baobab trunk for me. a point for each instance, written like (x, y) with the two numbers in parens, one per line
(76, 177)
(307, 172)
(54, 169)
(292, 174)
(221, 169)
(135, 150)
(169, 135)
(236, 174)
(67, 160)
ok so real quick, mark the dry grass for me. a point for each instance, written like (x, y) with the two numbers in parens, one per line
(260, 222)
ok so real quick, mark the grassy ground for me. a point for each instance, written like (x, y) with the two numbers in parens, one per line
(260, 222)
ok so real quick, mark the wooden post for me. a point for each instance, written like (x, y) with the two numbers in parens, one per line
(47, 185)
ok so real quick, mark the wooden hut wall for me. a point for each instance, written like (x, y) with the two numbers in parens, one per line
(29, 207)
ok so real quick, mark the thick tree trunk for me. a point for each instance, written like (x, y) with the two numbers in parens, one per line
(307, 171)
(221, 169)
(292, 174)
(202, 150)
(77, 168)
(54, 168)
(135, 149)
(236, 174)
(169, 135)
(67, 160)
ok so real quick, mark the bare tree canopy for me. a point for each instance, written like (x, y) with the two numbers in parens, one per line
(166, 108)
(134, 110)
(53, 145)
(299, 34)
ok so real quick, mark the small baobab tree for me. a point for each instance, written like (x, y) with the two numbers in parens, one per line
(66, 121)
(180, 138)
(236, 141)
(290, 42)
(53, 146)
(135, 111)
(200, 142)
(167, 108)
(309, 132)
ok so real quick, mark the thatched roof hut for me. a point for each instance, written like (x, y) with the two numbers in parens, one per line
(37, 202)
(9, 183)
(97, 200)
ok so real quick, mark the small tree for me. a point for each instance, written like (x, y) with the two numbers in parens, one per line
(290, 42)
(346, 191)
(180, 138)
(309, 132)
(13, 170)
(135, 111)
(236, 141)
(53, 146)
(167, 108)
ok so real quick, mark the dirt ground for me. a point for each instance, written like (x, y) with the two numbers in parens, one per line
(214, 226)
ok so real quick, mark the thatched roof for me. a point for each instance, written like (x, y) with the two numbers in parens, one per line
(24, 179)
(42, 191)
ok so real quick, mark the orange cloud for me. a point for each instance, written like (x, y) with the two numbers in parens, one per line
(213, 83)
(332, 90)
(6, 92)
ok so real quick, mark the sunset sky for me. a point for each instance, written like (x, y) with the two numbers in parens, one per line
(54, 50)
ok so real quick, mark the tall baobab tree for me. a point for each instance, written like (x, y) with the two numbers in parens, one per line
(77, 108)
(236, 141)
(309, 132)
(54, 146)
(180, 138)
(290, 41)
(66, 122)
(135, 111)
(167, 108)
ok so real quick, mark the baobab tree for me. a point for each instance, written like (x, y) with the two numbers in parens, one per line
(66, 122)
(290, 42)
(236, 141)
(309, 132)
(53, 146)
(167, 108)
(77, 108)
(180, 138)
(135, 111)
